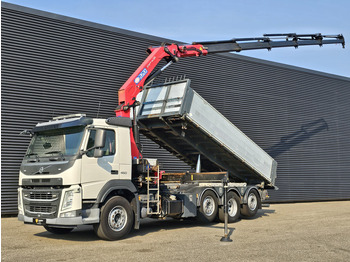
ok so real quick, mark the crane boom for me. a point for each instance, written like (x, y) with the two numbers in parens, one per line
(266, 42)
(172, 52)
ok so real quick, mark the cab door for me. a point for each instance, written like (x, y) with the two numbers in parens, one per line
(97, 171)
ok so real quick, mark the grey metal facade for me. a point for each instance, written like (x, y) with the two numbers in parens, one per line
(54, 65)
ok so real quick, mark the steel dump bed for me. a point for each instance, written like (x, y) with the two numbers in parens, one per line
(174, 116)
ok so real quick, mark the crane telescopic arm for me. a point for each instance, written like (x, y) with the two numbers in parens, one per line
(172, 52)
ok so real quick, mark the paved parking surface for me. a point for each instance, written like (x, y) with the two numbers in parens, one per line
(283, 232)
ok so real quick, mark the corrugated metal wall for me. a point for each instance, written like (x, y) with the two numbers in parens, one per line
(54, 65)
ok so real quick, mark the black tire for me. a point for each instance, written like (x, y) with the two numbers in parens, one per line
(116, 219)
(253, 202)
(58, 230)
(234, 208)
(208, 207)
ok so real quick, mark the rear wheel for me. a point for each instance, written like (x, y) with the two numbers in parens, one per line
(253, 203)
(208, 207)
(58, 230)
(233, 208)
(116, 219)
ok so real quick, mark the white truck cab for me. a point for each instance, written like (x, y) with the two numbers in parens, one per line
(72, 164)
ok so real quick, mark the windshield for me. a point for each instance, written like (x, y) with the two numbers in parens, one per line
(64, 141)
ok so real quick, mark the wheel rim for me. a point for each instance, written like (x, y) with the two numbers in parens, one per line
(117, 218)
(209, 206)
(252, 201)
(232, 207)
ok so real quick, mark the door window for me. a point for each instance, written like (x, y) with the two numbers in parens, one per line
(108, 149)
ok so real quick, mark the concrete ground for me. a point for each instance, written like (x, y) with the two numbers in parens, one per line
(282, 232)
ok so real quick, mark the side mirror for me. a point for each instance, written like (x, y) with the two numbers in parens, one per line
(26, 133)
(100, 138)
(100, 141)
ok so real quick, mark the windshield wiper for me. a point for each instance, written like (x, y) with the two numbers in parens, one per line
(54, 152)
(32, 154)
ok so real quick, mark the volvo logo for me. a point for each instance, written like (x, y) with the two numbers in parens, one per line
(41, 170)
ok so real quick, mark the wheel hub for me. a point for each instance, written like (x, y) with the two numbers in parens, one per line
(117, 218)
(208, 205)
(252, 201)
(232, 207)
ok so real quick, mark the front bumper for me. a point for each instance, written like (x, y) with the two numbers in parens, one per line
(60, 221)
(90, 216)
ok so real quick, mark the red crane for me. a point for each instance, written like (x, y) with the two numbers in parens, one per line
(172, 52)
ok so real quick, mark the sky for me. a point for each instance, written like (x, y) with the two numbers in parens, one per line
(189, 21)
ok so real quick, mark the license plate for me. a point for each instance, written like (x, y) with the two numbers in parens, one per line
(39, 221)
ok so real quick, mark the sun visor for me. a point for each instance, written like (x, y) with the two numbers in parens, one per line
(62, 123)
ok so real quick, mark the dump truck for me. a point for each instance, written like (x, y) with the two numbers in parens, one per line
(80, 170)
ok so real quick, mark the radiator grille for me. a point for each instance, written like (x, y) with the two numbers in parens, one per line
(42, 196)
(42, 209)
(41, 202)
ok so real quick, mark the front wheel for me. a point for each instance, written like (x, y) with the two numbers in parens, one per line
(208, 207)
(58, 230)
(253, 203)
(116, 219)
(233, 208)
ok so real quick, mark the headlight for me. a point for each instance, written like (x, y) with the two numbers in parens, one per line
(67, 200)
